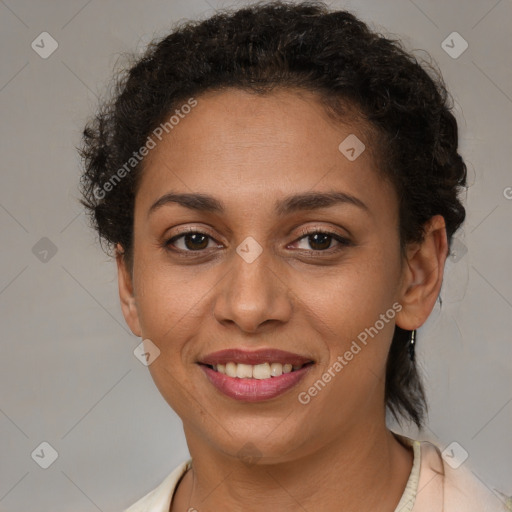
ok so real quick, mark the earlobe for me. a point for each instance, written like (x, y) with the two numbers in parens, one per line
(423, 275)
(126, 296)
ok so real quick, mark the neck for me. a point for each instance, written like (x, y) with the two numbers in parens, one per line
(366, 469)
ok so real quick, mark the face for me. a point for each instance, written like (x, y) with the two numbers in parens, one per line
(295, 248)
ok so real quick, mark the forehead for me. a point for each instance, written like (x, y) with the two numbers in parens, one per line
(252, 148)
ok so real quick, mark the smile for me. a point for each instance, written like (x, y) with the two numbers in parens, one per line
(254, 376)
(258, 371)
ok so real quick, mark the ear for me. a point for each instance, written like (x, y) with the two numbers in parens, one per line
(125, 284)
(422, 275)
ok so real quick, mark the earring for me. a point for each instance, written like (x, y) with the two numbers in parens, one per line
(412, 345)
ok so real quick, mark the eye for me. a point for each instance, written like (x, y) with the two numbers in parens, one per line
(191, 241)
(320, 241)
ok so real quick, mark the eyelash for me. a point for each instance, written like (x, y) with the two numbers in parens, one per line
(342, 241)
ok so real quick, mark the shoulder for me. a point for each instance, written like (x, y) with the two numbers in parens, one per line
(454, 486)
(159, 499)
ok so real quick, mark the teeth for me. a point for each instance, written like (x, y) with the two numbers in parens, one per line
(257, 371)
(231, 370)
(244, 371)
(261, 371)
(276, 369)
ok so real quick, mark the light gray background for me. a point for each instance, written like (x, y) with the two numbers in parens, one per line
(68, 375)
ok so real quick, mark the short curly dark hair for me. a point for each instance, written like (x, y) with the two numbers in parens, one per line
(350, 67)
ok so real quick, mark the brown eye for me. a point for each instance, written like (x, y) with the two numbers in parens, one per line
(192, 241)
(321, 241)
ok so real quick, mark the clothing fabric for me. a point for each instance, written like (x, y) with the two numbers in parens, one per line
(426, 489)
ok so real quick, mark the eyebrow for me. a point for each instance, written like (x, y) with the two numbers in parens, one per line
(286, 206)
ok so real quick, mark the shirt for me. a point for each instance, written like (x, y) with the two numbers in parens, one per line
(426, 489)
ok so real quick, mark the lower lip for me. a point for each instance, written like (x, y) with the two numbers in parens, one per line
(254, 390)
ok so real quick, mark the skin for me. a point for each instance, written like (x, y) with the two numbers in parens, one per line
(249, 151)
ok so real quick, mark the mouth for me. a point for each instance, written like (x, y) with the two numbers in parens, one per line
(256, 375)
(261, 371)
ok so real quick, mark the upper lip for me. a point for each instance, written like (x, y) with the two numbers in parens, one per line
(268, 355)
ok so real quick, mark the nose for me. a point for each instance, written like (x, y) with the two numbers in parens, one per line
(253, 294)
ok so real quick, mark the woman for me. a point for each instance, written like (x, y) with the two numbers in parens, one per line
(280, 186)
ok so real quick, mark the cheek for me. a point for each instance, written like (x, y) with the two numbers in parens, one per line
(352, 296)
(347, 312)
(171, 308)
(357, 306)
(172, 303)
